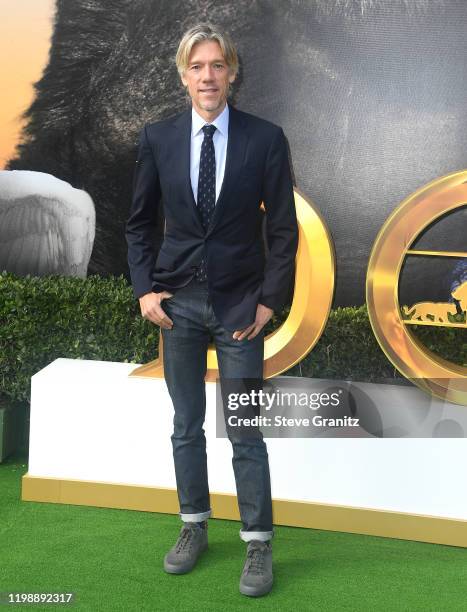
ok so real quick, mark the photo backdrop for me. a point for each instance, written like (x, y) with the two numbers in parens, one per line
(371, 95)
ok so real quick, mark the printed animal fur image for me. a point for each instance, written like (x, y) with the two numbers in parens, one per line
(371, 96)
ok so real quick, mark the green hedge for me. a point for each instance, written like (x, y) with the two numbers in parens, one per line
(42, 318)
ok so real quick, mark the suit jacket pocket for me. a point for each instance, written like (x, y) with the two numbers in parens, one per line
(249, 263)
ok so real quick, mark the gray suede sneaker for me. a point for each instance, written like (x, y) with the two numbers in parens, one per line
(182, 557)
(256, 578)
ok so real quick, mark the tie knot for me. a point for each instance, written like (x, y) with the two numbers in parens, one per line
(209, 130)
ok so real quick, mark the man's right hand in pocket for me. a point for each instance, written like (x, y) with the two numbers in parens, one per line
(151, 308)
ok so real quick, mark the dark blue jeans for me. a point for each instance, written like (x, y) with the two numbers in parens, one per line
(185, 362)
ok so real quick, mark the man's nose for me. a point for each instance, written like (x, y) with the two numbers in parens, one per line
(208, 73)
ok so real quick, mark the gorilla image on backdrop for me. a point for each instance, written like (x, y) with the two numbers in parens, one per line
(372, 96)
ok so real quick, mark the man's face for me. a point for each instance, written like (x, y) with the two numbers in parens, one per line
(207, 77)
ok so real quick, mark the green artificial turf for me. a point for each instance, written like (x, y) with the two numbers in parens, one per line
(112, 560)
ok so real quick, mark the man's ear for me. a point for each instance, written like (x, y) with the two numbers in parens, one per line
(184, 81)
(232, 77)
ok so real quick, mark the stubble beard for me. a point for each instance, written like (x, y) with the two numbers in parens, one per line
(211, 106)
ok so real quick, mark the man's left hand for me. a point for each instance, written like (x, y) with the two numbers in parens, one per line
(263, 314)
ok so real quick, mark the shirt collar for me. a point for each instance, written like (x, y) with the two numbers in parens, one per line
(221, 122)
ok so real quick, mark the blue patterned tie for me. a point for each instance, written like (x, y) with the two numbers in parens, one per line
(206, 188)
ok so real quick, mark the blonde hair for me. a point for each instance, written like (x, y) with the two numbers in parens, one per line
(206, 31)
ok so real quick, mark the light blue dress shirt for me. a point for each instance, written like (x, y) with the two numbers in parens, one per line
(219, 139)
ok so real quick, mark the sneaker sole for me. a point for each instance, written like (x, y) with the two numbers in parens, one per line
(178, 569)
(254, 591)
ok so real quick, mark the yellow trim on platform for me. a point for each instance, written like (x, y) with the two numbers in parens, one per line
(385, 523)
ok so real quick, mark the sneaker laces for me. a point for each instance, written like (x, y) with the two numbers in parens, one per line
(185, 540)
(255, 558)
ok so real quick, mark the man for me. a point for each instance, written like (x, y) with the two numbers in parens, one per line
(212, 166)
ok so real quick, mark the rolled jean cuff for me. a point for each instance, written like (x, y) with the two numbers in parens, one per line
(262, 536)
(195, 518)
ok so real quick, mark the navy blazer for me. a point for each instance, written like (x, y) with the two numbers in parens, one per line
(239, 275)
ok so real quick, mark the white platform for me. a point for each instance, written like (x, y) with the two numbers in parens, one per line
(90, 421)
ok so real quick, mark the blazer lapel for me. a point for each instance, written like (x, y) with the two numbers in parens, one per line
(182, 147)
